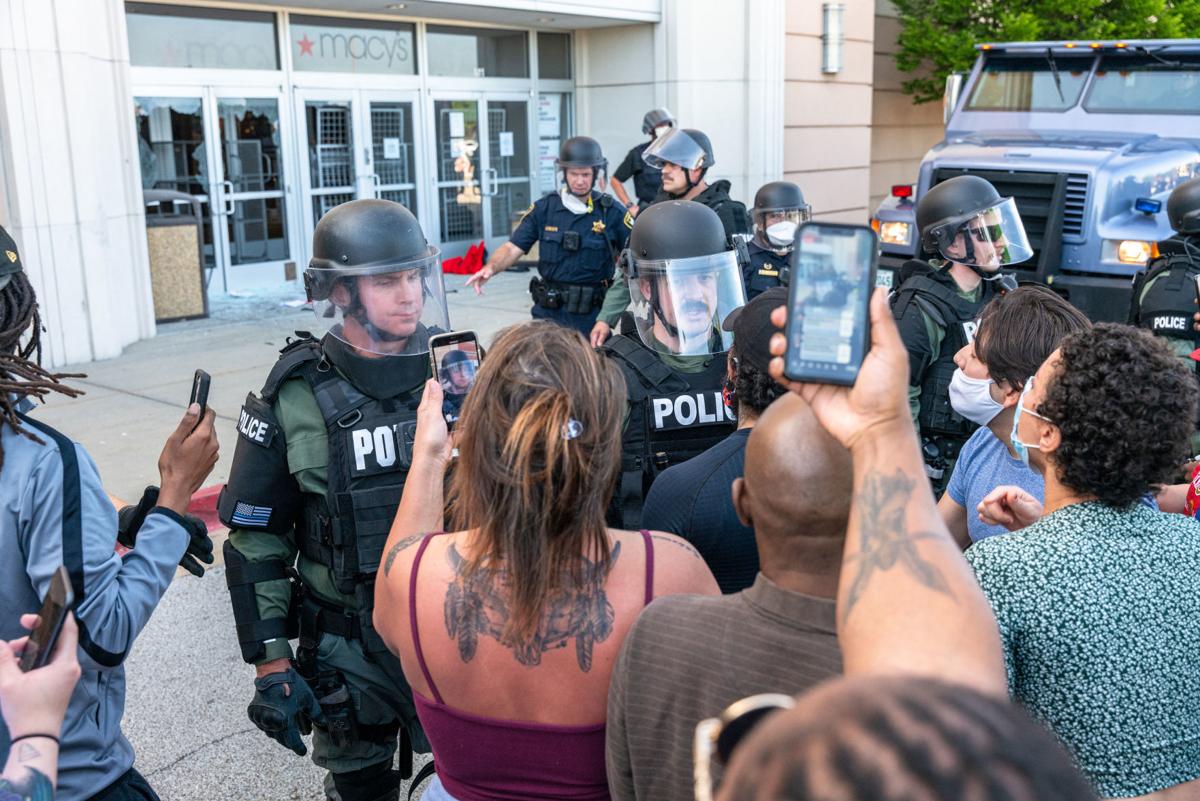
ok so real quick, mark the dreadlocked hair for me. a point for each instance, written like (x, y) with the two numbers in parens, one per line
(918, 739)
(21, 375)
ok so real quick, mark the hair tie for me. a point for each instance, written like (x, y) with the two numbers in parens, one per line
(572, 429)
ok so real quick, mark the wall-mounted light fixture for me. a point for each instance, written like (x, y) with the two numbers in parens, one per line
(831, 37)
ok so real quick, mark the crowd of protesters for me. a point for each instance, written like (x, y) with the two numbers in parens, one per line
(799, 616)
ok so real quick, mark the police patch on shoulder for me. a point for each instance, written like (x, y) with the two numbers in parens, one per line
(525, 213)
(255, 429)
(629, 220)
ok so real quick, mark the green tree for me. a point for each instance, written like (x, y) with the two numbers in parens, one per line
(938, 37)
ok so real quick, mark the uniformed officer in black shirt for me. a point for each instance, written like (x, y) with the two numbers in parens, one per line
(647, 179)
(779, 208)
(579, 232)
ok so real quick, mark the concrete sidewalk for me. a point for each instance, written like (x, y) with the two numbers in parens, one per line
(187, 685)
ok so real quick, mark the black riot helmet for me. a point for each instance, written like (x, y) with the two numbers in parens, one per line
(779, 209)
(656, 117)
(581, 151)
(372, 270)
(687, 147)
(684, 277)
(967, 221)
(1183, 207)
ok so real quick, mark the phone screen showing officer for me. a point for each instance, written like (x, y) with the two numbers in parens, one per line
(455, 361)
(833, 273)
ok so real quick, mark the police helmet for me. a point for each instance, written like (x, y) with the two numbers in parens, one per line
(580, 151)
(687, 147)
(1183, 207)
(685, 277)
(10, 259)
(967, 221)
(656, 117)
(372, 270)
(451, 359)
(782, 202)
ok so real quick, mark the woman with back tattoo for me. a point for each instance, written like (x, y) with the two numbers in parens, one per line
(509, 626)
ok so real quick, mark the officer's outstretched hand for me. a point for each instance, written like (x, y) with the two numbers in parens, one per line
(479, 279)
(285, 708)
(187, 458)
(432, 440)
(601, 331)
(879, 397)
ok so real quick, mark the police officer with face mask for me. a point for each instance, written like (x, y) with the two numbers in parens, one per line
(975, 232)
(779, 208)
(685, 279)
(647, 179)
(579, 232)
(321, 459)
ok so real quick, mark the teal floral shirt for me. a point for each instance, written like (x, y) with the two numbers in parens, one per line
(1099, 613)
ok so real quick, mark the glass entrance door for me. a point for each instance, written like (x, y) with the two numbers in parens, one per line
(483, 168)
(357, 144)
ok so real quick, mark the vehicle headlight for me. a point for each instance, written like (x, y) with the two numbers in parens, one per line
(894, 233)
(1133, 251)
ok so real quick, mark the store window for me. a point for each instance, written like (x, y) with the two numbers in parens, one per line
(554, 126)
(554, 56)
(477, 52)
(329, 44)
(208, 38)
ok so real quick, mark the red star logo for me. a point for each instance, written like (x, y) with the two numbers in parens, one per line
(305, 46)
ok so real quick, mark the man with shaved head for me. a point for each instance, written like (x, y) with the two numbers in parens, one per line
(688, 657)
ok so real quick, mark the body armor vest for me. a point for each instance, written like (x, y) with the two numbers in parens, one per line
(936, 296)
(673, 416)
(1164, 296)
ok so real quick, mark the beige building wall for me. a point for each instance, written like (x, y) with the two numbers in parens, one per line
(827, 118)
(901, 132)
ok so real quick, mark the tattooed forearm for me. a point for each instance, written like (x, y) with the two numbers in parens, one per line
(396, 549)
(33, 786)
(884, 540)
(477, 604)
(26, 752)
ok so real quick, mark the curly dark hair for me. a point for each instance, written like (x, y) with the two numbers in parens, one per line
(1126, 407)
(754, 388)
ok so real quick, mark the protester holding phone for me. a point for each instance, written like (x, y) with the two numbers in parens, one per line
(32, 705)
(54, 513)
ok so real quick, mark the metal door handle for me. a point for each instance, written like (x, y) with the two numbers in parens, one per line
(216, 203)
(228, 198)
(493, 182)
(376, 182)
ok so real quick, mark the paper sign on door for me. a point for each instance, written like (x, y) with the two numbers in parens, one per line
(506, 143)
(391, 147)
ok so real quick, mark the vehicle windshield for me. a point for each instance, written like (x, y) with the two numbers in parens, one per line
(1028, 83)
(1160, 84)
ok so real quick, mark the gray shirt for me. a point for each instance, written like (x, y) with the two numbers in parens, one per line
(687, 658)
(53, 511)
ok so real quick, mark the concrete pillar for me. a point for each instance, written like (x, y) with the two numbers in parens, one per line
(69, 173)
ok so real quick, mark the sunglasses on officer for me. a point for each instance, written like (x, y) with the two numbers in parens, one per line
(716, 738)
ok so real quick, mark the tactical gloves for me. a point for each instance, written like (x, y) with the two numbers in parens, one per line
(200, 545)
(285, 708)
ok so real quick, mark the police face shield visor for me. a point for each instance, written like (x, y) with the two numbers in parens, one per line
(457, 377)
(674, 147)
(678, 304)
(776, 228)
(987, 239)
(383, 310)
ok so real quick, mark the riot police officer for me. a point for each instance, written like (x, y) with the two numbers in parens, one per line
(579, 232)
(317, 475)
(647, 179)
(975, 232)
(779, 208)
(684, 155)
(686, 279)
(456, 373)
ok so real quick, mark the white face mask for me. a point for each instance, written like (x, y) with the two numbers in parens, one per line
(574, 204)
(660, 130)
(972, 398)
(781, 234)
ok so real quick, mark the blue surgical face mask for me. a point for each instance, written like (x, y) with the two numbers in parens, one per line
(1021, 448)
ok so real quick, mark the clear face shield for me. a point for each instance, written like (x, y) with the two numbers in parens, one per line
(674, 147)
(457, 377)
(382, 310)
(678, 304)
(776, 228)
(988, 239)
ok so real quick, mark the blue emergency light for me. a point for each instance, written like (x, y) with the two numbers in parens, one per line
(1147, 205)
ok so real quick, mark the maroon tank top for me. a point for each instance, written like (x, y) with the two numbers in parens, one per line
(490, 759)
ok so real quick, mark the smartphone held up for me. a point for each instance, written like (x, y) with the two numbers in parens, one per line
(832, 277)
(59, 601)
(455, 360)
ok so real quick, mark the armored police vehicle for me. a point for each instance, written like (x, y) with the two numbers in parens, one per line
(1088, 137)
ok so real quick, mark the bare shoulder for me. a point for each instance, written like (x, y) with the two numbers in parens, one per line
(679, 568)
